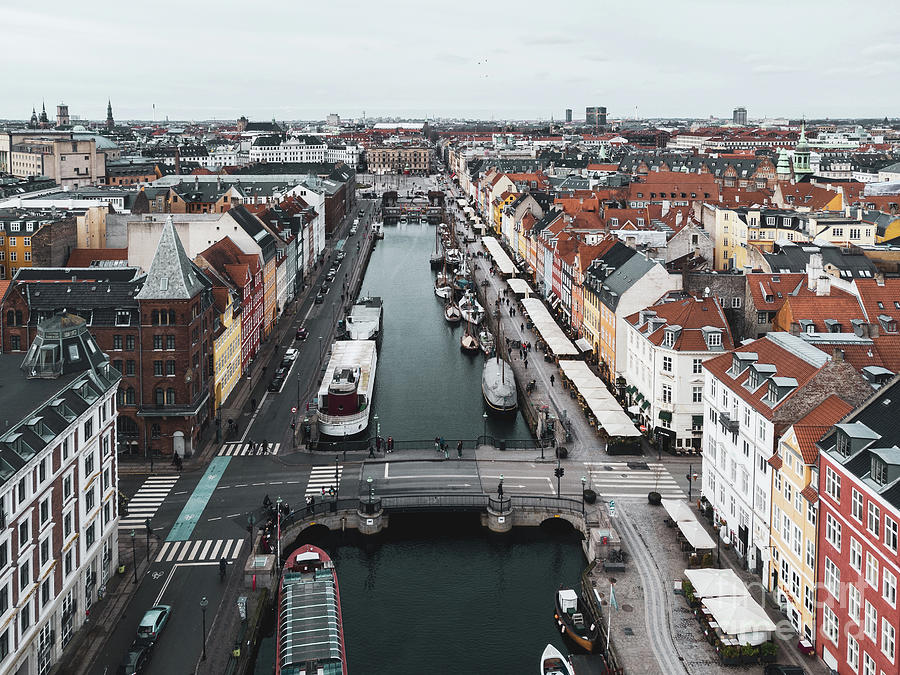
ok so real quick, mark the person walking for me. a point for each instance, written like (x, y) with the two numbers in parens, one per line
(437, 447)
(552, 379)
(459, 449)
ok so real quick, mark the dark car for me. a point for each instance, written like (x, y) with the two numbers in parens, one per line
(135, 662)
(781, 669)
(302, 333)
(320, 297)
(277, 381)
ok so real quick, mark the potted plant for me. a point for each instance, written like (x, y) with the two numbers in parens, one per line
(731, 655)
(749, 654)
(768, 651)
(707, 560)
(687, 590)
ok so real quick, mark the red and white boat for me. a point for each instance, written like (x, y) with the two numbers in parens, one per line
(310, 630)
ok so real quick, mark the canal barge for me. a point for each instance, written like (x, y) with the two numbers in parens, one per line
(498, 385)
(573, 618)
(345, 394)
(310, 638)
(365, 320)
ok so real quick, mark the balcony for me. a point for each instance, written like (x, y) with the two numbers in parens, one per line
(726, 421)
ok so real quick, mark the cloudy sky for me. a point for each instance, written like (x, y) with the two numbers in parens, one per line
(295, 59)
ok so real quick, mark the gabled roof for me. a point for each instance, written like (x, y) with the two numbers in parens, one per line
(172, 275)
(816, 424)
(840, 306)
(769, 291)
(687, 318)
(879, 297)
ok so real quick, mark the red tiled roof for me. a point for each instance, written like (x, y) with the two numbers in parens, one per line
(775, 461)
(806, 195)
(879, 298)
(816, 423)
(733, 197)
(810, 494)
(83, 257)
(840, 305)
(692, 314)
(3, 286)
(770, 285)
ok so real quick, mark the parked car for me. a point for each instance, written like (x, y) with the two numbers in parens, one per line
(353, 230)
(362, 212)
(290, 355)
(320, 297)
(153, 622)
(135, 662)
(278, 380)
(340, 255)
(331, 274)
(780, 669)
(302, 333)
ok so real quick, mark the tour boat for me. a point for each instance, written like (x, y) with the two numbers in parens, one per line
(310, 630)
(574, 620)
(452, 313)
(378, 229)
(437, 258)
(498, 385)
(345, 394)
(554, 663)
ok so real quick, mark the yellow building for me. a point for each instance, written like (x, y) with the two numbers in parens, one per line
(497, 212)
(590, 321)
(793, 530)
(227, 345)
(270, 293)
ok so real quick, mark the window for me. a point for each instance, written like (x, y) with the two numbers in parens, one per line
(832, 577)
(697, 394)
(45, 592)
(667, 364)
(130, 368)
(854, 233)
(24, 575)
(45, 551)
(89, 464)
(832, 484)
(889, 587)
(888, 633)
(88, 428)
(158, 368)
(871, 624)
(810, 554)
(129, 343)
(117, 342)
(833, 531)
(44, 510)
(123, 317)
(852, 653)
(856, 504)
(830, 624)
(67, 487)
(24, 533)
(170, 396)
(871, 570)
(714, 340)
(170, 367)
(873, 518)
(67, 524)
(736, 303)
(170, 342)
(697, 366)
(890, 533)
(853, 603)
(855, 555)
(157, 342)
(667, 393)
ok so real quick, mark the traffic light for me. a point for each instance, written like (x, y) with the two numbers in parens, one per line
(147, 525)
(559, 471)
(293, 425)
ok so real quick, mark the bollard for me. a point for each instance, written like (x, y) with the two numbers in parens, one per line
(253, 586)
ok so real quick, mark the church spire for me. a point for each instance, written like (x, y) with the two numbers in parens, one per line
(110, 123)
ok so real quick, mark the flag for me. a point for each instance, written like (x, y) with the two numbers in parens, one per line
(612, 597)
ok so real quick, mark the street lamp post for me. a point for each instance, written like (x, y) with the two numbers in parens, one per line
(371, 490)
(337, 480)
(134, 556)
(321, 352)
(203, 604)
(583, 485)
(484, 417)
(278, 533)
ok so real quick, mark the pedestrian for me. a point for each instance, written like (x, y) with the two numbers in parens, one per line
(500, 489)
(371, 450)
(312, 503)
(552, 379)
(437, 447)
(526, 364)
(459, 449)
(390, 444)
(308, 505)
(446, 451)
(522, 327)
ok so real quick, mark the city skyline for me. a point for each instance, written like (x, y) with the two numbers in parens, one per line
(396, 60)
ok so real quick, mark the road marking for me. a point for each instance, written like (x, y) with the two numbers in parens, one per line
(387, 467)
(322, 479)
(181, 552)
(205, 549)
(253, 416)
(216, 518)
(196, 503)
(147, 500)
(246, 449)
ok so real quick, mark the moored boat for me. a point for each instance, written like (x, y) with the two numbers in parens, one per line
(310, 632)
(487, 342)
(574, 620)
(468, 342)
(554, 663)
(452, 313)
(498, 385)
(365, 320)
(345, 394)
(470, 309)
(443, 291)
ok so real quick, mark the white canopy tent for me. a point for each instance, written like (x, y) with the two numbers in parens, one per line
(741, 617)
(678, 510)
(504, 264)
(713, 583)
(603, 405)
(584, 345)
(519, 287)
(695, 534)
(548, 329)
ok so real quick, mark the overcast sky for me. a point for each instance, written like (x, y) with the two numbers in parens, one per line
(294, 59)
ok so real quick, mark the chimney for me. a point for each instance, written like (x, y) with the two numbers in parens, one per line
(837, 355)
(873, 330)
(795, 328)
(823, 284)
(813, 269)
(879, 278)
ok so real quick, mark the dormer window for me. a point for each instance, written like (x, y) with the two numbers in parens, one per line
(833, 325)
(669, 339)
(714, 339)
(842, 444)
(879, 470)
(807, 326)
(888, 323)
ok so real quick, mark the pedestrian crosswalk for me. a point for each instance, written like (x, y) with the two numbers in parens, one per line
(322, 480)
(624, 480)
(246, 448)
(199, 550)
(147, 500)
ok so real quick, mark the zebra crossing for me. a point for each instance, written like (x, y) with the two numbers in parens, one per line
(245, 449)
(147, 500)
(633, 480)
(199, 550)
(322, 480)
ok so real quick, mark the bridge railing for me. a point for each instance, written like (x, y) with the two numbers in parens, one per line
(466, 501)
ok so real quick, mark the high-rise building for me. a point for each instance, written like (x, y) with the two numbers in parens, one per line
(595, 115)
(739, 116)
(568, 115)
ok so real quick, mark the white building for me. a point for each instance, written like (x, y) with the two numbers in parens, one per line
(750, 397)
(300, 149)
(348, 154)
(667, 345)
(58, 492)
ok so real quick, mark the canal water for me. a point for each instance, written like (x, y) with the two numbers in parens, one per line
(438, 594)
(425, 386)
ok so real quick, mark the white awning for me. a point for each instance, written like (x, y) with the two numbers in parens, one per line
(602, 404)
(548, 329)
(695, 534)
(504, 264)
(742, 617)
(584, 345)
(713, 583)
(678, 510)
(519, 287)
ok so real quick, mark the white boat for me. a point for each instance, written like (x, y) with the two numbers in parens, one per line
(364, 321)
(443, 291)
(498, 385)
(470, 309)
(554, 663)
(345, 394)
(451, 313)
(487, 342)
